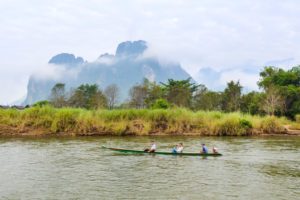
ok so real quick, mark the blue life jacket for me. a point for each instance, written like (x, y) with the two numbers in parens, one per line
(204, 149)
(174, 150)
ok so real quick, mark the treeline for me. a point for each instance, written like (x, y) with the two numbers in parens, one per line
(279, 95)
(85, 96)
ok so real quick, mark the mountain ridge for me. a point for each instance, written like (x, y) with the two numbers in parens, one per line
(125, 69)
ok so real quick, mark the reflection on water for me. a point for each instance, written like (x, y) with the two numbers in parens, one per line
(77, 168)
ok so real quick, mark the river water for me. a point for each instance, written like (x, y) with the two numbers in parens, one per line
(77, 168)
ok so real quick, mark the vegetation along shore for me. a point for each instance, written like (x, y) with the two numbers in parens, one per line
(47, 120)
(176, 107)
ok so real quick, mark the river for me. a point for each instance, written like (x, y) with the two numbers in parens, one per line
(77, 168)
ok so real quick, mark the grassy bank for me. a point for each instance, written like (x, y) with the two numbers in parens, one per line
(71, 121)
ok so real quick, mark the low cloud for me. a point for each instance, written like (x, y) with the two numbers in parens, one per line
(107, 60)
(209, 33)
(217, 80)
(56, 72)
(247, 80)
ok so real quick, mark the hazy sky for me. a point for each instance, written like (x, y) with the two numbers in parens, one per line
(235, 38)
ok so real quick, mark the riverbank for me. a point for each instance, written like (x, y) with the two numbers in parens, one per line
(80, 122)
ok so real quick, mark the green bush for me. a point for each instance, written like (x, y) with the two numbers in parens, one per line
(41, 103)
(231, 126)
(245, 123)
(160, 104)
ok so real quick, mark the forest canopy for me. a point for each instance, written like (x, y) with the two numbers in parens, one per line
(279, 95)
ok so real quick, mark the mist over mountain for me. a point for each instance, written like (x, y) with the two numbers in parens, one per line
(217, 80)
(126, 68)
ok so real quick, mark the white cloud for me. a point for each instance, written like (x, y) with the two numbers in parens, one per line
(108, 60)
(207, 33)
(247, 80)
(56, 72)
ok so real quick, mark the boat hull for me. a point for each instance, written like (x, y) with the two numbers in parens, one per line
(162, 153)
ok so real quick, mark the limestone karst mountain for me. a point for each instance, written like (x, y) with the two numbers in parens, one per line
(126, 68)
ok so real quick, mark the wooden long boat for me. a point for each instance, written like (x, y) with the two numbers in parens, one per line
(161, 153)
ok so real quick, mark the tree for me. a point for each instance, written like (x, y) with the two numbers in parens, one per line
(267, 76)
(272, 76)
(232, 96)
(179, 92)
(154, 92)
(58, 95)
(138, 95)
(88, 96)
(287, 85)
(77, 98)
(144, 95)
(205, 99)
(273, 101)
(251, 103)
(112, 94)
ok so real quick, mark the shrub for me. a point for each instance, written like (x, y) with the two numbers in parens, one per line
(160, 104)
(41, 103)
(231, 126)
(245, 124)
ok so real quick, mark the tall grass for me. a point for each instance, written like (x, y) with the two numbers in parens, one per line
(297, 117)
(296, 124)
(138, 122)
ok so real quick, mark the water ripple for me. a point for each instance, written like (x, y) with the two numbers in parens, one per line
(77, 168)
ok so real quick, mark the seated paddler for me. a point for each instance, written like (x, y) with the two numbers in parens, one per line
(178, 148)
(152, 147)
(204, 149)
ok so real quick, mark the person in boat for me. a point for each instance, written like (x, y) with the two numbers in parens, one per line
(174, 150)
(204, 149)
(215, 150)
(178, 148)
(152, 148)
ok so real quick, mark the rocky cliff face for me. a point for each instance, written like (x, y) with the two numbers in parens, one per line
(127, 67)
(66, 59)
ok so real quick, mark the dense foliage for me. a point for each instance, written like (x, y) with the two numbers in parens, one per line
(284, 88)
(279, 95)
(85, 96)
